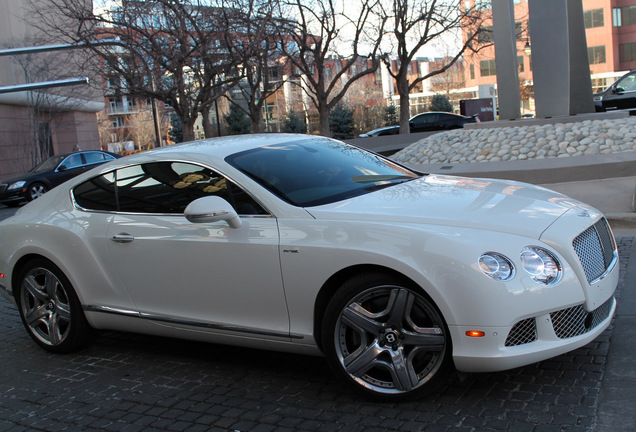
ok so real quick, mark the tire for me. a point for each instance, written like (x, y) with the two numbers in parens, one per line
(50, 309)
(386, 338)
(36, 190)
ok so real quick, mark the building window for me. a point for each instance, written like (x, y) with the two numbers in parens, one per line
(118, 122)
(487, 68)
(627, 52)
(624, 16)
(472, 71)
(485, 35)
(596, 54)
(593, 18)
(482, 4)
(520, 63)
(519, 30)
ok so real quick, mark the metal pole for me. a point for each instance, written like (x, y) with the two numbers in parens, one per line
(43, 85)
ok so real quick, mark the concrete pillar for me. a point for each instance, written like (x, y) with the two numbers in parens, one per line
(506, 59)
(561, 71)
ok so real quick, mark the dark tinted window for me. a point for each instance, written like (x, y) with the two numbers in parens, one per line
(425, 119)
(160, 187)
(97, 193)
(318, 172)
(96, 157)
(73, 161)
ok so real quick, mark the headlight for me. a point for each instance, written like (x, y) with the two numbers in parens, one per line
(496, 266)
(598, 98)
(541, 265)
(16, 185)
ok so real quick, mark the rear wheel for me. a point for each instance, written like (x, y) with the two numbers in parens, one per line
(386, 338)
(50, 309)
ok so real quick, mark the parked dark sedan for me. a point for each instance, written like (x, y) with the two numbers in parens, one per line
(428, 121)
(50, 173)
(620, 95)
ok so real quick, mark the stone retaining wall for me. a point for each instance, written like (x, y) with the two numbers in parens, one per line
(588, 137)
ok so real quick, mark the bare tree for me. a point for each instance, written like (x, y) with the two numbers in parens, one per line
(252, 41)
(169, 50)
(142, 128)
(414, 24)
(331, 44)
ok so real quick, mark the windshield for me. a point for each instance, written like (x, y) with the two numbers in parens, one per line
(318, 172)
(49, 164)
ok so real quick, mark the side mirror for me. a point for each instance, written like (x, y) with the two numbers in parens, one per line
(62, 168)
(618, 90)
(212, 209)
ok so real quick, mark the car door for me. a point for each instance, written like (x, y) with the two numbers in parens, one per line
(208, 275)
(622, 94)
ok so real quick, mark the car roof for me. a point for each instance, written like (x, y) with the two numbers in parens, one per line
(215, 149)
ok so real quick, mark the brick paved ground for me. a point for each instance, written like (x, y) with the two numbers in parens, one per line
(125, 382)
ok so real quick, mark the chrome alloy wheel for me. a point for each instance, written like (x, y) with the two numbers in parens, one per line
(36, 191)
(390, 340)
(45, 306)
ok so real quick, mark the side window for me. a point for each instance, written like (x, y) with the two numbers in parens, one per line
(168, 187)
(628, 83)
(427, 119)
(97, 193)
(73, 161)
(160, 187)
(95, 157)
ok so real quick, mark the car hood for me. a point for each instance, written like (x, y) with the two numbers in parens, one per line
(21, 177)
(497, 205)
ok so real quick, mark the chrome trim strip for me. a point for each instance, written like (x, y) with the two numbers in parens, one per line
(151, 317)
(608, 271)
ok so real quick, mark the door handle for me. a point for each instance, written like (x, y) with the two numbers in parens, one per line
(123, 238)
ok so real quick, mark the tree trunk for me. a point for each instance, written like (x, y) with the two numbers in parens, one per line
(257, 125)
(323, 114)
(208, 130)
(187, 126)
(405, 111)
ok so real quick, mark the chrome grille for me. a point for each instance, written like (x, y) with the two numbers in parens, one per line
(595, 248)
(523, 332)
(575, 321)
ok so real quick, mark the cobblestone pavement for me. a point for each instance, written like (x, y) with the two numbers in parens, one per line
(125, 382)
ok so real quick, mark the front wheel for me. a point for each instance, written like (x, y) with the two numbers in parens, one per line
(50, 309)
(386, 338)
(36, 190)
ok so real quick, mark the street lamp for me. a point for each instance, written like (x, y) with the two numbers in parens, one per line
(527, 49)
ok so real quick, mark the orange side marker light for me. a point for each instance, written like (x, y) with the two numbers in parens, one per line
(475, 333)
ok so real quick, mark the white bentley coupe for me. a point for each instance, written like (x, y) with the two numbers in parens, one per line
(305, 244)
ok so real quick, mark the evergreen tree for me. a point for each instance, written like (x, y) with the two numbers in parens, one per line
(441, 103)
(176, 130)
(294, 123)
(341, 122)
(391, 115)
(238, 122)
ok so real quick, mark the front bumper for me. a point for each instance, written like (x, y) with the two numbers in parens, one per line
(13, 195)
(535, 339)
